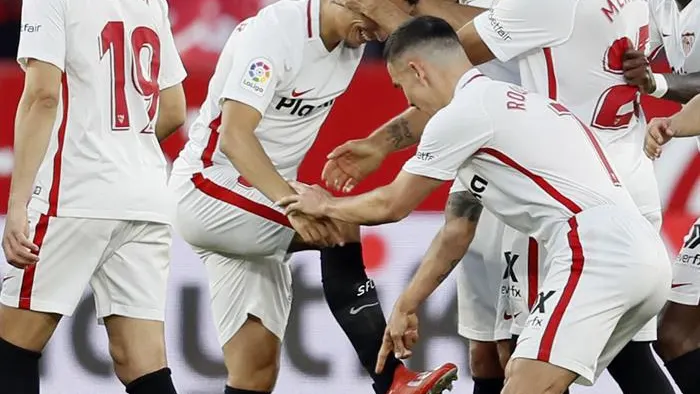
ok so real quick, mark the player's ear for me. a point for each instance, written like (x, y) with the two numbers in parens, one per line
(418, 71)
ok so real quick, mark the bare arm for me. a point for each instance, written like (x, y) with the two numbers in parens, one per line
(686, 123)
(682, 88)
(172, 111)
(34, 122)
(446, 251)
(473, 45)
(455, 14)
(401, 132)
(387, 204)
(243, 149)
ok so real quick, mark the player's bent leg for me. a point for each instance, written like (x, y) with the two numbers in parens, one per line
(137, 348)
(485, 367)
(252, 358)
(536, 377)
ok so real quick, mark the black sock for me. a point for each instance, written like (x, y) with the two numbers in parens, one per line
(158, 382)
(636, 371)
(231, 390)
(684, 370)
(352, 298)
(487, 385)
(19, 369)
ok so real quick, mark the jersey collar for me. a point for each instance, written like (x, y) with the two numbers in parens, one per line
(471, 74)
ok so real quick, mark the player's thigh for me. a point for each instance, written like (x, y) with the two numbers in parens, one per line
(685, 287)
(223, 215)
(603, 284)
(70, 250)
(478, 280)
(523, 261)
(132, 280)
(241, 287)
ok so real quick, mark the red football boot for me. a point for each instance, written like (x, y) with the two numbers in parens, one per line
(428, 382)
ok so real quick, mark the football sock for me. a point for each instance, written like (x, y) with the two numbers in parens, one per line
(352, 299)
(19, 369)
(488, 385)
(636, 371)
(231, 390)
(684, 370)
(158, 382)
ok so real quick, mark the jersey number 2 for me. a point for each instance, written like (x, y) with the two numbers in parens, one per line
(145, 58)
(607, 113)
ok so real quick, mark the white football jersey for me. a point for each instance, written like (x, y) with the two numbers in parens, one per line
(528, 159)
(276, 63)
(104, 160)
(675, 31)
(571, 51)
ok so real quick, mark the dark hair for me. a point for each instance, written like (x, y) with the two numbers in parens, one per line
(418, 31)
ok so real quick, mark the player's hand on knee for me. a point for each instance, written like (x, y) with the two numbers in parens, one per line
(637, 72)
(19, 250)
(350, 163)
(658, 133)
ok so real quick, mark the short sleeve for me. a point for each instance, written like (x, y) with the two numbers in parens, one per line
(514, 27)
(172, 72)
(450, 138)
(259, 63)
(43, 32)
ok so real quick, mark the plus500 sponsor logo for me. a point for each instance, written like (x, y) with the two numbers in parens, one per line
(297, 107)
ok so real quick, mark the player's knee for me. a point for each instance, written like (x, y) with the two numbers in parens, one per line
(484, 360)
(252, 357)
(679, 331)
(505, 350)
(525, 376)
(137, 347)
(27, 329)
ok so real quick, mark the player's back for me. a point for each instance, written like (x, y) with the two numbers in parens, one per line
(548, 164)
(104, 160)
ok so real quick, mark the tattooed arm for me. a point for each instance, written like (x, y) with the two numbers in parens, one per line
(401, 132)
(445, 252)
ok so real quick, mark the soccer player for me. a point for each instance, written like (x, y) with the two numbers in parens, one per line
(89, 202)
(673, 30)
(274, 85)
(554, 53)
(543, 172)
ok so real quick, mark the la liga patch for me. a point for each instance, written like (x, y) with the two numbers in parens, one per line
(257, 76)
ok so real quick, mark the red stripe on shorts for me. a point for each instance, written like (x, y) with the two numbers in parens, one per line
(25, 292)
(533, 274)
(577, 261)
(221, 193)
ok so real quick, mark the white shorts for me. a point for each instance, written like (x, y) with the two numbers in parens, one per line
(126, 263)
(523, 273)
(478, 280)
(243, 241)
(685, 288)
(608, 275)
(520, 296)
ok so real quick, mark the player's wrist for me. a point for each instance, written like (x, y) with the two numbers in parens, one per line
(661, 86)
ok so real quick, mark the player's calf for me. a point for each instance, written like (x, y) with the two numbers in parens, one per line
(137, 348)
(485, 367)
(23, 336)
(252, 359)
(679, 344)
(636, 371)
(524, 376)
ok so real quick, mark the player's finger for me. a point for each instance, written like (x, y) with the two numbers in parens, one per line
(399, 348)
(327, 168)
(26, 243)
(635, 63)
(349, 185)
(284, 201)
(384, 352)
(336, 233)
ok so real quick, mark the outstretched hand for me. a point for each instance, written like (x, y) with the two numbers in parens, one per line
(400, 336)
(659, 132)
(310, 200)
(350, 163)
